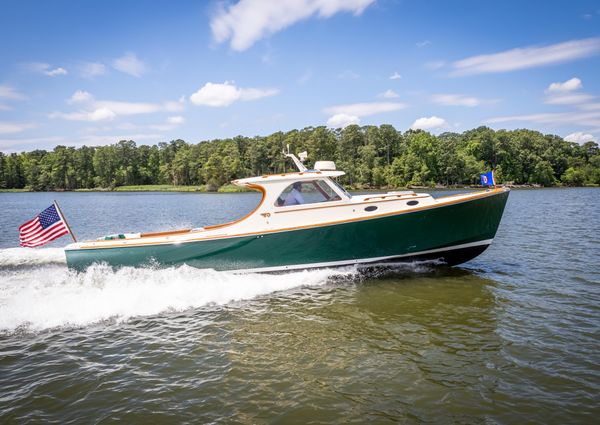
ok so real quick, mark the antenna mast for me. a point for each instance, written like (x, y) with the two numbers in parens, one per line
(298, 162)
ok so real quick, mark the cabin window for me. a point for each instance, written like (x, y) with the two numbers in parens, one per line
(411, 203)
(306, 192)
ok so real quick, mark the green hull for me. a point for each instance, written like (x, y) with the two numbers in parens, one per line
(456, 233)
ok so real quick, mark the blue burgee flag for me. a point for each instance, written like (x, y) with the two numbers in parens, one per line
(487, 179)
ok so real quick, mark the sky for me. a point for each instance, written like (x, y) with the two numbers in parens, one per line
(95, 72)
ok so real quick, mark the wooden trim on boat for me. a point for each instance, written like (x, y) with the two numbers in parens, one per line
(294, 173)
(258, 187)
(495, 189)
(166, 233)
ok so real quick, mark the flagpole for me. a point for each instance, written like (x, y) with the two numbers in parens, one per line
(65, 220)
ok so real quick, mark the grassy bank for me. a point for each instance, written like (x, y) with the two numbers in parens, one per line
(227, 188)
(159, 188)
(15, 190)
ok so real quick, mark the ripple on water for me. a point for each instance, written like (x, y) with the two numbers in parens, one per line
(512, 335)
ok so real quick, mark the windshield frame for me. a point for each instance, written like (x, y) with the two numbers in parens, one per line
(340, 189)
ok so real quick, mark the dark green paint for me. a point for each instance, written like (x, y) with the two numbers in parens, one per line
(395, 235)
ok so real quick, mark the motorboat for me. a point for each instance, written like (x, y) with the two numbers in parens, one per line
(306, 219)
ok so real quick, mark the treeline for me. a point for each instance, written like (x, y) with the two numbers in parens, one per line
(371, 156)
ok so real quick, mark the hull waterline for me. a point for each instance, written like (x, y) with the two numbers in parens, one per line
(450, 233)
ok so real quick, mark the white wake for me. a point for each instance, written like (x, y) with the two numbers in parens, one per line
(13, 257)
(36, 293)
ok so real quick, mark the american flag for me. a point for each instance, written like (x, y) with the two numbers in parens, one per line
(45, 227)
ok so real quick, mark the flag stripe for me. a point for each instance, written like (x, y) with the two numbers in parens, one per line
(45, 241)
(35, 233)
(28, 225)
(45, 237)
(31, 234)
(45, 227)
(56, 236)
(43, 234)
(42, 243)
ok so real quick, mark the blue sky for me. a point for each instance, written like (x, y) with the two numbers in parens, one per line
(91, 72)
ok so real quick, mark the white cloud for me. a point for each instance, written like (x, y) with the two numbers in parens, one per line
(423, 43)
(568, 99)
(427, 123)
(100, 110)
(455, 100)
(365, 109)
(527, 57)
(14, 127)
(433, 65)
(253, 94)
(216, 95)
(176, 120)
(100, 114)
(80, 96)
(587, 119)
(565, 93)
(395, 76)
(247, 21)
(567, 86)
(219, 95)
(389, 94)
(344, 115)
(342, 120)
(130, 64)
(128, 108)
(580, 137)
(175, 105)
(172, 122)
(45, 68)
(593, 106)
(56, 71)
(9, 93)
(92, 69)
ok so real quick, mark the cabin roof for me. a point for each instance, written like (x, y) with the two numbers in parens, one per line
(295, 176)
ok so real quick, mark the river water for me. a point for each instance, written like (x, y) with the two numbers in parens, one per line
(510, 337)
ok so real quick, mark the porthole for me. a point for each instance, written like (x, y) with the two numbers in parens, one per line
(371, 208)
(412, 203)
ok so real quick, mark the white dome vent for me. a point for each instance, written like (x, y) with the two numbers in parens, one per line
(325, 165)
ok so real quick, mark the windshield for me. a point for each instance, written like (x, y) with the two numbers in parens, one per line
(306, 192)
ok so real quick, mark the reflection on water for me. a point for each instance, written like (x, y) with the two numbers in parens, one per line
(372, 350)
(510, 337)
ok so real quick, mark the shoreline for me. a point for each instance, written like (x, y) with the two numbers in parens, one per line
(236, 189)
